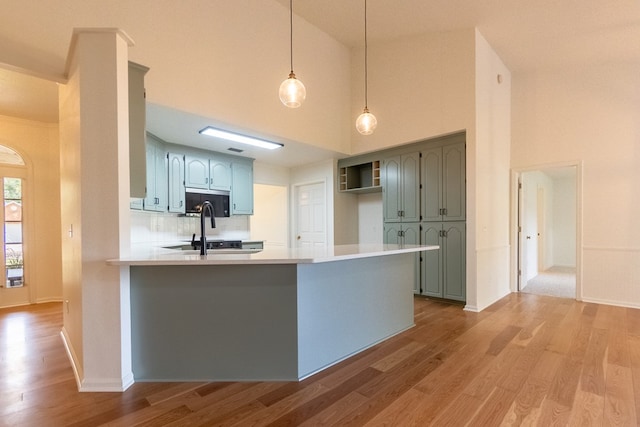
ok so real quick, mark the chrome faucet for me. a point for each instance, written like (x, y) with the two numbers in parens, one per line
(206, 206)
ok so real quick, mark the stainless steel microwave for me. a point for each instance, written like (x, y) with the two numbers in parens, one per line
(219, 199)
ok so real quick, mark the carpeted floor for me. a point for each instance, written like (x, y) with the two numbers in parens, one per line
(556, 281)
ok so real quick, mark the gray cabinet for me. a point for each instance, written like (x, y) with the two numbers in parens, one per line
(401, 188)
(156, 194)
(404, 234)
(137, 124)
(219, 174)
(443, 270)
(175, 164)
(242, 187)
(196, 172)
(443, 182)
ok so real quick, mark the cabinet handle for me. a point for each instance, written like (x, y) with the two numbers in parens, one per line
(444, 211)
(180, 203)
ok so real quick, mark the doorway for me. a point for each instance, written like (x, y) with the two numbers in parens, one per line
(547, 231)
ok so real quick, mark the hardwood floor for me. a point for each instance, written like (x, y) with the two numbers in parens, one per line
(526, 360)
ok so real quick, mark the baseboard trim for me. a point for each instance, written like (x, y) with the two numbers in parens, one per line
(94, 385)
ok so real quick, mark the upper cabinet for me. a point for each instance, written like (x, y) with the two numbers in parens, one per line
(196, 172)
(219, 174)
(156, 194)
(208, 173)
(443, 178)
(137, 123)
(175, 164)
(242, 187)
(401, 188)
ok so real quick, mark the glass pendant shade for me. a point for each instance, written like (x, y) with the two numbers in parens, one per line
(292, 92)
(366, 122)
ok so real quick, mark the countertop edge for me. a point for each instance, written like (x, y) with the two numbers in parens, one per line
(265, 257)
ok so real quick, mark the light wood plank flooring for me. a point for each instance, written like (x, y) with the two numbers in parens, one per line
(526, 360)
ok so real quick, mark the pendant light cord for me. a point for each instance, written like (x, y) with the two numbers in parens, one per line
(291, 33)
(366, 77)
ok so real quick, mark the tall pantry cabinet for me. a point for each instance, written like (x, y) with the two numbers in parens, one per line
(443, 206)
(424, 189)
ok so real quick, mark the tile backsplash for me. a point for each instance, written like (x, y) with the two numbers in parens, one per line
(165, 227)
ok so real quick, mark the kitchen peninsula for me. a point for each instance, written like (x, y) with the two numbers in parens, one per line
(277, 314)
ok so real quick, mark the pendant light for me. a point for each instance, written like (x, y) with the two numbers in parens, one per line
(366, 122)
(292, 91)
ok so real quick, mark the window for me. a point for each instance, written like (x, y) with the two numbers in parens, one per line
(13, 235)
(11, 172)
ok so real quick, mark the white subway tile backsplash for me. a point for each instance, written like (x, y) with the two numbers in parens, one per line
(150, 227)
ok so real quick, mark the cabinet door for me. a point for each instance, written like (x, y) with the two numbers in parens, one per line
(454, 265)
(150, 200)
(391, 189)
(219, 175)
(431, 184)
(137, 125)
(411, 236)
(453, 182)
(432, 260)
(241, 188)
(156, 197)
(196, 172)
(410, 187)
(176, 183)
(391, 233)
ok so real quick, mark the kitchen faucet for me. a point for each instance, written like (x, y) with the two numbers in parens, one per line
(206, 206)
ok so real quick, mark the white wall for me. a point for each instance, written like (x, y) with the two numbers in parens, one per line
(38, 144)
(488, 180)
(590, 116)
(270, 219)
(370, 214)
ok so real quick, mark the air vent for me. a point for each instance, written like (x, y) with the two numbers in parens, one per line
(235, 150)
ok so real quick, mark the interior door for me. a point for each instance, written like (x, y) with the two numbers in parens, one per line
(311, 222)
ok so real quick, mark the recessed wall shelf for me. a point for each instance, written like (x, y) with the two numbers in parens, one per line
(360, 178)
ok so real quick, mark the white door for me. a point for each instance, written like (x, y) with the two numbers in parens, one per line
(529, 228)
(311, 221)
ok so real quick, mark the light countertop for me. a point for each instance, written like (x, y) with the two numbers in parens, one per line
(150, 255)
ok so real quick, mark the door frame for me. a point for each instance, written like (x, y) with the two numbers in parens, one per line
(516, 235)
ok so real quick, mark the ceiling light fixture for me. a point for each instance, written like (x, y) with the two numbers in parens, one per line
(243, 139)
(292, 91)
(366, 122)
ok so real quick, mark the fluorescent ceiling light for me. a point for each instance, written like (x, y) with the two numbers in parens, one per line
(235, 137)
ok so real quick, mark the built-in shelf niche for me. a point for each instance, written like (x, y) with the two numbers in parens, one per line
(361, 178)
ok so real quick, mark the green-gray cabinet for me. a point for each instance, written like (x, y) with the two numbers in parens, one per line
(443, 271)
(176, 182)
(196, 172)
(219, 174)
(137, 124)
(242, 187)
(401, 188)
(443, 183)
(405, 233)
(156, 191)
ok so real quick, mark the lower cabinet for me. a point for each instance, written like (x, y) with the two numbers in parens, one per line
(443, 270)
(398, 233)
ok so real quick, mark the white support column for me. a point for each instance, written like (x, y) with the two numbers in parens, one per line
(94, 131)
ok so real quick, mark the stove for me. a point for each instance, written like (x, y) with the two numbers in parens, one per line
(218, 244)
